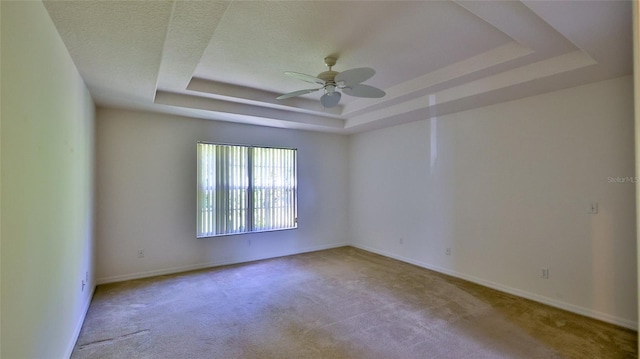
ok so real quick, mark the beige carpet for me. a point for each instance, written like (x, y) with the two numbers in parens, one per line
(338, 303)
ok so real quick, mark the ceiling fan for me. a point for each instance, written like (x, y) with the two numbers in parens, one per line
(349, 82)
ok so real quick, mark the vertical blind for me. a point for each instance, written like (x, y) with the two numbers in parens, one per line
(245, 189)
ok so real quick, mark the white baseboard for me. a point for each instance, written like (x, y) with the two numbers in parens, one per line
(186, 268)
(517, 292)
(76, 331)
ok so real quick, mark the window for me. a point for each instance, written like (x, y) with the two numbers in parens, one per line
(245, 189)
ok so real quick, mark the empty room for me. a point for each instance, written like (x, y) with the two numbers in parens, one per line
(318, 179)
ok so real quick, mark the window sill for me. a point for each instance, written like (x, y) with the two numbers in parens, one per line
(249, 232)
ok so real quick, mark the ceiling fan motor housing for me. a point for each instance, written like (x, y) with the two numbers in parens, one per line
(328, 76)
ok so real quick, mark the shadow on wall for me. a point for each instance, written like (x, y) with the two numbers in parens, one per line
(608, 246)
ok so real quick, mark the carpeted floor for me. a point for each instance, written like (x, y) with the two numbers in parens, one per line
(338, 303)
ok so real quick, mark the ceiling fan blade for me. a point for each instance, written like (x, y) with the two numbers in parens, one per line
(305, 77)
(330, 100)
(360, 90)
(296, 93)
(355, 76)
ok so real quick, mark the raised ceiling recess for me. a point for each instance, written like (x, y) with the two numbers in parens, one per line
(225, 60)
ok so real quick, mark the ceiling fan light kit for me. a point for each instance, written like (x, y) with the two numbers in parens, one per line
(349, 82)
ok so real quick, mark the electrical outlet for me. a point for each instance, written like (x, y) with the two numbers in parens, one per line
(593, 208)
(447, 251)
(544, 273)
(140, 253)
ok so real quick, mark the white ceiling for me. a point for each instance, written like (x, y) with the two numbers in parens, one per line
(225, 60)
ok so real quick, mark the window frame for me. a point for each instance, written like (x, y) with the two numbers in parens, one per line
(250, 187)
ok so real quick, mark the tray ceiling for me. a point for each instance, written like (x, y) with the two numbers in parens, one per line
(225, 60)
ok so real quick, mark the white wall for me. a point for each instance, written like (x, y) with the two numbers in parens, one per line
(507, 188)
(146, 194)
(47, 187)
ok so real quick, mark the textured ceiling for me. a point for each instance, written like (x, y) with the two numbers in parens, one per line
(225, 60)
